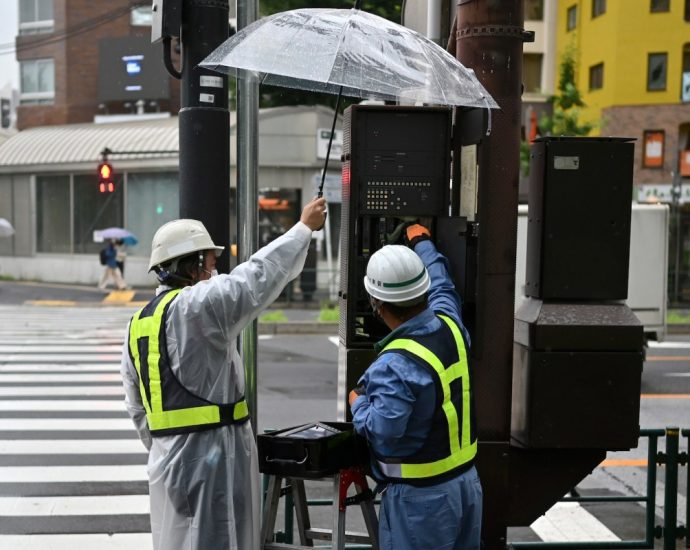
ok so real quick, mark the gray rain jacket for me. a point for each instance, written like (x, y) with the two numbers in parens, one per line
(204, 486)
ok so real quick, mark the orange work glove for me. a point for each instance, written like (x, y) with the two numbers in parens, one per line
(416, 233)
(354, 394)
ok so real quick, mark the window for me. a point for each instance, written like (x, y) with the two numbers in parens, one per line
(596, 77)
(653, 152)
(687, 10)
(37, 81)
(94, 210)
(35, 16)
(656, 71)
(52, 214)
(534, 10)
(685, 78)
(659, 6)
(598, 8)
(571, 21)
(152, 200)
(531, 72)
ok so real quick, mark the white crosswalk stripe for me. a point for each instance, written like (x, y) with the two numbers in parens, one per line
(72, 469)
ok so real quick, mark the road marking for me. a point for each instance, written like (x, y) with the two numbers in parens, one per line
(121, 541)
(265, 336)
(55, 474)
(49, 358)
(334, 340)
(614, 462)
(59, 368)
(76, 391)
(74, 506)
(71, 446)
(655, 358)
(62, 405)
(72, 424)
(59, 350)
(678, 374)
(119, 296)
(570, 522)
(64, 377)
(669, 345)
(665, 396)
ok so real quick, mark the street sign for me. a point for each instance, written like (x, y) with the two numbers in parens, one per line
(322, 137)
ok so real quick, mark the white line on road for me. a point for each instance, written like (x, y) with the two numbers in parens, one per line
(678, 374)
(123, 541)
(60, 377)
(59, 350)
(62, 405)
(77, 391)
(55, 474)
(66, 358)
(71, 446)
(334, 340)
(83, 368)
(570, 522)
(668, 345)
(56, 424)
(74, 506)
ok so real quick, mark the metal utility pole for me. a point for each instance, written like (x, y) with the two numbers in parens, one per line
(205, 123)
(489, 38)
(248, 196)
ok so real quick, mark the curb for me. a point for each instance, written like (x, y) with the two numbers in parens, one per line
(298, 327)
(678, 329)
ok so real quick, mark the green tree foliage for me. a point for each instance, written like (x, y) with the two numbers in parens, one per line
(276, 96)
(567, 105)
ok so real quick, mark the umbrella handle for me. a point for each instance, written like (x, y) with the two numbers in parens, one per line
(330, 142)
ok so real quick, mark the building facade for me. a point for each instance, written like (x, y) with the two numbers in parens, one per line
(80, 58)
(632, 62)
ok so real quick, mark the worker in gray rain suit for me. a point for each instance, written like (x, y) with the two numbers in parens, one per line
(184, 382)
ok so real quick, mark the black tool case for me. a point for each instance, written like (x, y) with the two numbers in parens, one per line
(313, 450)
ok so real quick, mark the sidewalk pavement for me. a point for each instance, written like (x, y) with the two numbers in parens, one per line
(302, 318)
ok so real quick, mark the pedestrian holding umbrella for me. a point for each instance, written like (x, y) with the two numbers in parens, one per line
(118, 234)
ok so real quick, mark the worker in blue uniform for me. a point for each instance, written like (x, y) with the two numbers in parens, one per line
(414, 403)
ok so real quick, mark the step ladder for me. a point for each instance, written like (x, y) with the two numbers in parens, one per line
(307, 534)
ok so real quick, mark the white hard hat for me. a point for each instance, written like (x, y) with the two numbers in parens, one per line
(179, 238)
(396, 274)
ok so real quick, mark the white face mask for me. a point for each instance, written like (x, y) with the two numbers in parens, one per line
(211, 274)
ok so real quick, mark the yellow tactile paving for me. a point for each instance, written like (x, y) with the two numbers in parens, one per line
(120, 296)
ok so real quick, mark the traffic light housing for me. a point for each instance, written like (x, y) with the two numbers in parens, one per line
(106, 181)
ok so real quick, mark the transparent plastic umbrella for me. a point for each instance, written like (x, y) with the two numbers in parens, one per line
(324, 50)
(6, 229)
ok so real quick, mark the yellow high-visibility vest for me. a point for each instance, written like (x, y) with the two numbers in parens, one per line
(461, 444)
(170, 407)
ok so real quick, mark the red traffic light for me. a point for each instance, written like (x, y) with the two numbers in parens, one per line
(105, 178)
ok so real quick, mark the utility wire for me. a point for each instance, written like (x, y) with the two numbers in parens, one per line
(84, 26)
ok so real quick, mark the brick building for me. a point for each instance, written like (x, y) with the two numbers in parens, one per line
(76, 56)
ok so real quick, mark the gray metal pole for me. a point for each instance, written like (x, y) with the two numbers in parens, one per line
(248, 196)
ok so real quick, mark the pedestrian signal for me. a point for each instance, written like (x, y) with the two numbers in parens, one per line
(106, 183)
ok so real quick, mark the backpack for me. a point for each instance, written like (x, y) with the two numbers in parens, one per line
(103, 256)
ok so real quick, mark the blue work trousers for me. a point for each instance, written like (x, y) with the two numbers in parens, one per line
(445, 516)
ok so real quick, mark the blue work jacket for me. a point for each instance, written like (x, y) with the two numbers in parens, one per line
(395, 413)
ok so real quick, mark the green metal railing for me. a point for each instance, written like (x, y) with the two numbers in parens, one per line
(670, 531)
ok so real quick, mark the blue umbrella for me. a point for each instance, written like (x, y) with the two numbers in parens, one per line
(118, 233)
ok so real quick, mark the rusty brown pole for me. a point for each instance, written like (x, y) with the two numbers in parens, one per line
(489, 39)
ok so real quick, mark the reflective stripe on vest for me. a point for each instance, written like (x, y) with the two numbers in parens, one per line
(461, 452)
(153, 368)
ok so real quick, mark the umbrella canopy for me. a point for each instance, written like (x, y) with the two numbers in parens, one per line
(323, 50)
(117, 233)
(6, 229)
